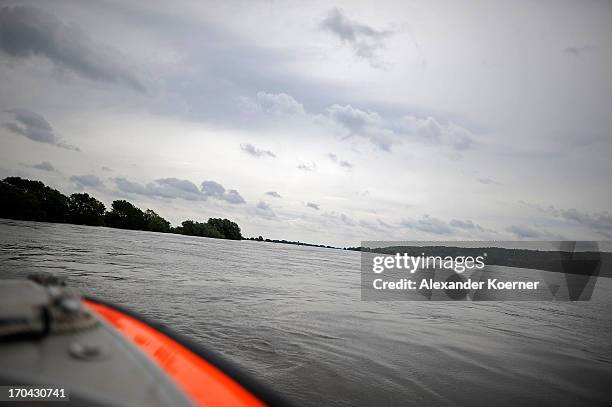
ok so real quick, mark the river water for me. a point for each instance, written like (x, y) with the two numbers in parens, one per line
(292, 316)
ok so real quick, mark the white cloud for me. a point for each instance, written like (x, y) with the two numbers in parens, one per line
(87, 180)
(256, 152)
(428, 129)
(279, 104)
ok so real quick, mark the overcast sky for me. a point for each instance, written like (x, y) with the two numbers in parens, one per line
(317, 121)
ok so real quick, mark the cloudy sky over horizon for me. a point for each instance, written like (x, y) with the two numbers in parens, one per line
(321, 122)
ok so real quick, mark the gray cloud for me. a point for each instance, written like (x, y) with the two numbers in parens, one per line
(487, 181)
(377, 226)
(173, 188)
(601, 222)
(465, 224)
(347, 220)
(307, 167)
(273, 194)
(550, 209)
(263, 205)
(577, 51)
(35, 127)
(29, 31)
(365, 124)
(212, 189)
(523, 231)
(313, 205)
(232, 196)
(429, 225)
(88, 180)
(264, 210)
(436, 226)
(335, 219)
(341, 163)
(365, 41)
(130, 187)
(256, 152)
(44, 166)
(107, 169)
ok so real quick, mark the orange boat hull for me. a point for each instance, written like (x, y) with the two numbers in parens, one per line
(204, 383)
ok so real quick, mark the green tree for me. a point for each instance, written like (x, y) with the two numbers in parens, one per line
(16, 204)
(192, 228)
(25, 199)
(124, 215)
(229, 229)
(32, 200)
(156, 223)
(84, 209)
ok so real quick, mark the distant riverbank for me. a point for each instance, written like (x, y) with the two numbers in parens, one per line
(31, 200)
(23, 199)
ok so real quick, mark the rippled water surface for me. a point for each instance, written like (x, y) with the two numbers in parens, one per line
(292, 316)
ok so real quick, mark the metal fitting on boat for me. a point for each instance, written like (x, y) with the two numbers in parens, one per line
(39, 306)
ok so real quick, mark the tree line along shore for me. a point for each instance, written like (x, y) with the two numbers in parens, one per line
(24, 199)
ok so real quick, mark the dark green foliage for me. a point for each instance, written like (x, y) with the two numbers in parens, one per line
(156, 223)
(192, 228)
(124, 215)
(24, 199)
(227, 228)
(16, 204)
(32, 200)
(215, 227)
(84, 209)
